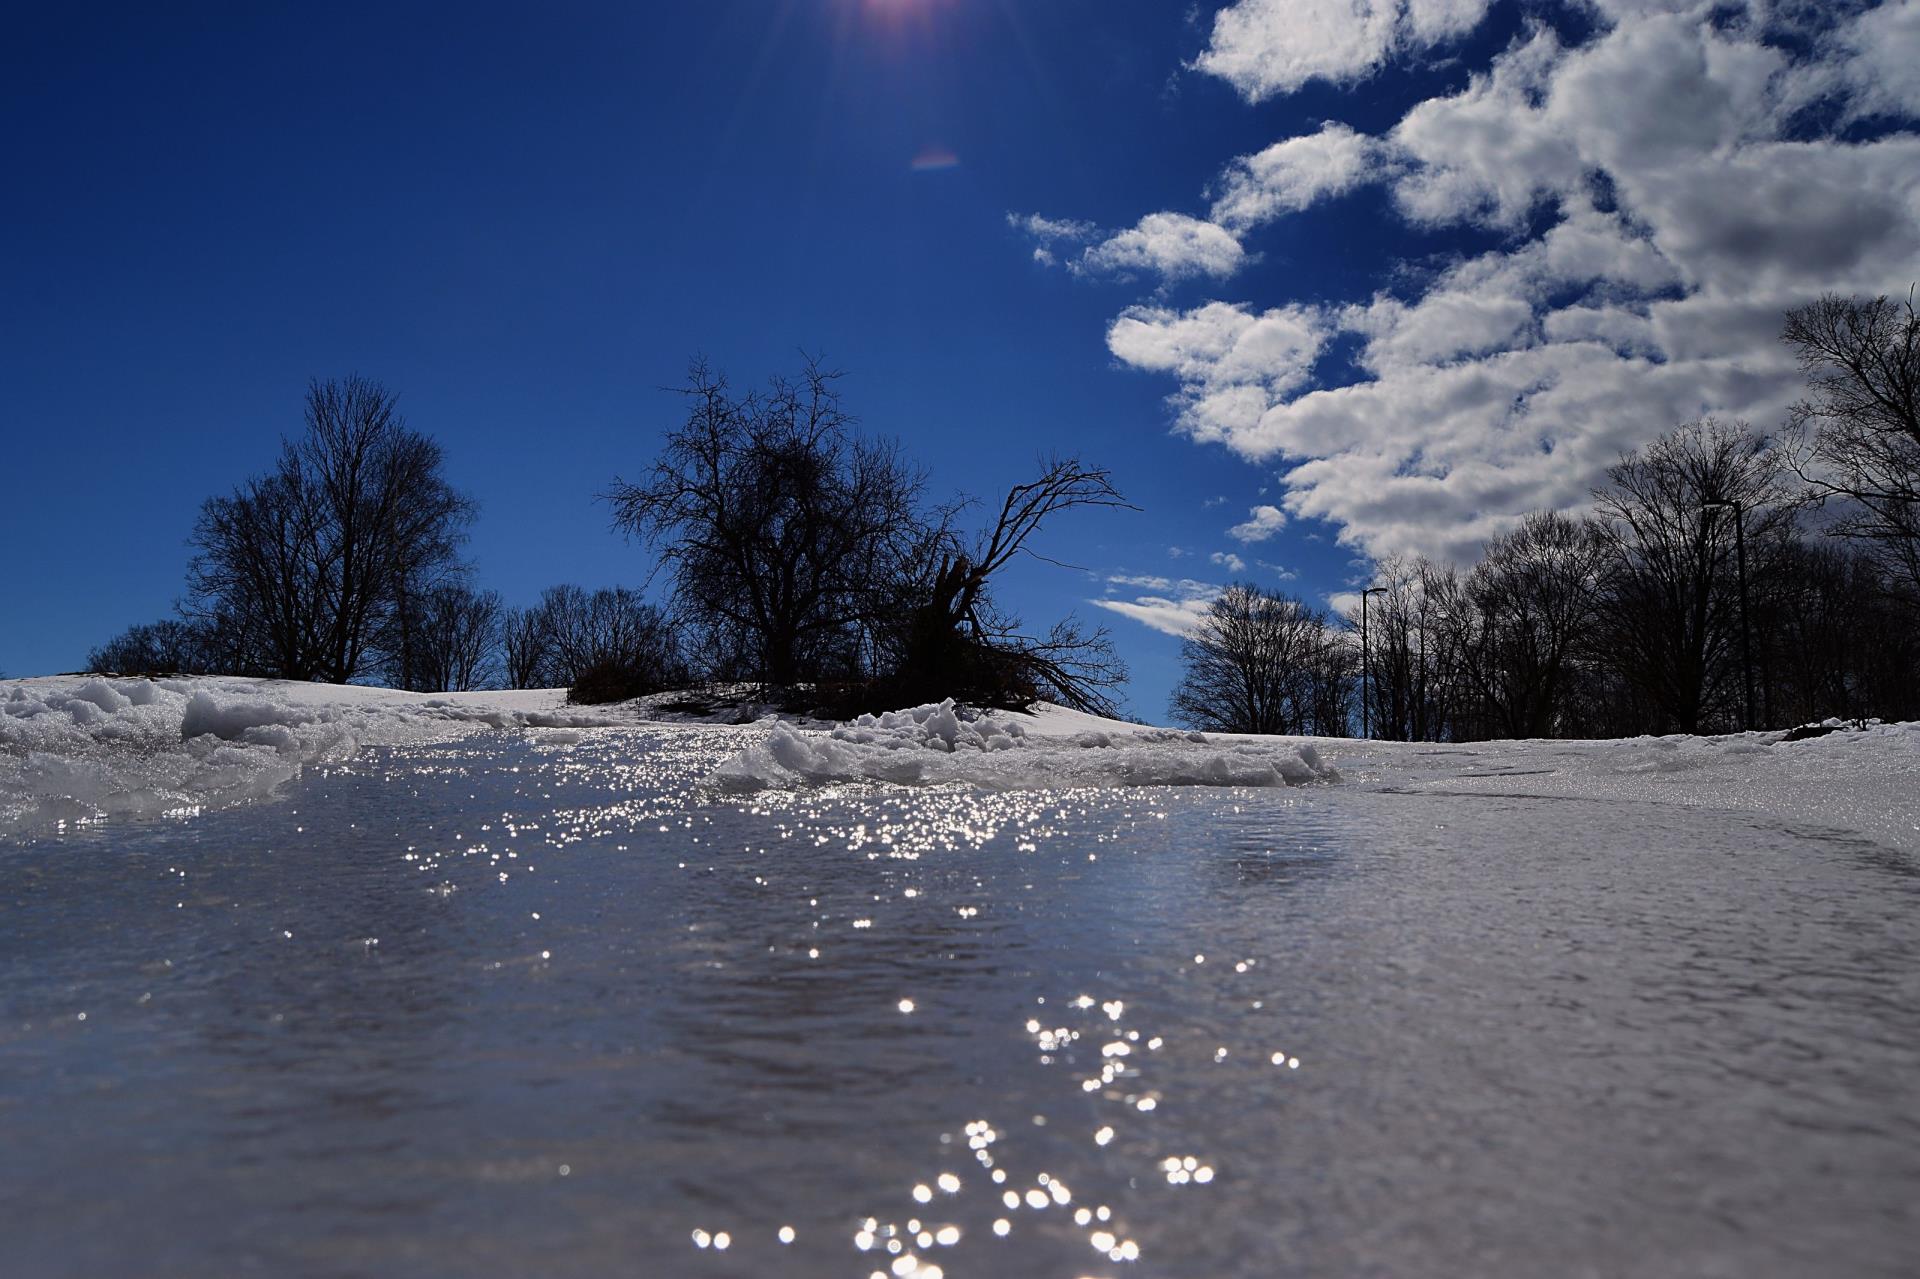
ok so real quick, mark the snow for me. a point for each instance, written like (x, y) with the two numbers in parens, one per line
(82, 749)
(934, 744)
(1863, 780)
(78, 750)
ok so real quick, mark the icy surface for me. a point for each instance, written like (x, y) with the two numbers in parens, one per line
(1865, 780)
(541, 1003)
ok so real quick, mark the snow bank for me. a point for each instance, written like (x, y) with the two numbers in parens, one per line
(939, 744)
(1862, 776)
(128, 748)
(80, 750)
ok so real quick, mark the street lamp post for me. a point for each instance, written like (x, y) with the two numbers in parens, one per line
(1366, 723)
(1746, 627)
(1420, 696)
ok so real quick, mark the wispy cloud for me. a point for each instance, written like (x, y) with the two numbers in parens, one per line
(1174, 607)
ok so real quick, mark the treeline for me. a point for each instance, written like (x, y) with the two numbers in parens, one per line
(803, 558)
(340, 564)
(1723, 579)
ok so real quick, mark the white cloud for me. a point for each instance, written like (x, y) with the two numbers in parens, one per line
(1145, 581)
(1052, 236)
(1173, 246)
(1232, 363)
(1175, 608)
(1262, 523)
(1442, 326)
(1293, 175)
(1051, 229)
(1662, 195)
(1883, 69)
(1268, 47)
(1627, 331)
(1229, 561)
(1485, 152)
(1169, 617)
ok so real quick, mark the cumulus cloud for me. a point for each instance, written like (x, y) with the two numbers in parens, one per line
(1173, 246)
(1294, 174)
(1231, 361)
(1882, 67)
(1660, 190)
(1229, 561)
(1262, 523)
(1268, 47)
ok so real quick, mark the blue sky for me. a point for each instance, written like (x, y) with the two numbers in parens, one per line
(526, 223)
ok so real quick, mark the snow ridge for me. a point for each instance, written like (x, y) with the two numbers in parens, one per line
(84, 750)
(940, 744)
(136, 748)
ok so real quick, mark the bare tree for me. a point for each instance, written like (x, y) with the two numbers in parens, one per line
(168, 646)
(254, 585)
(776, 521)
(1534, 600)
(1856, 437)
(526, 648)
(1390, 647)
(956, 643)
(1258, 662)
(611, 640)
(1839, 641)
(1673, 619)
(451, 633)
(301, 571)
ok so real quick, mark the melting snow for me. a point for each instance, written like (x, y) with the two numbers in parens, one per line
(936, 744)
(83, 749)
(86, 749)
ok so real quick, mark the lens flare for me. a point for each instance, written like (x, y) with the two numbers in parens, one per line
(934, 159)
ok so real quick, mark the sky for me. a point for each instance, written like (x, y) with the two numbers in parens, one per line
(1320, 281)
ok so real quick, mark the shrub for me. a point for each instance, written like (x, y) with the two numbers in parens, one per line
(614, 680)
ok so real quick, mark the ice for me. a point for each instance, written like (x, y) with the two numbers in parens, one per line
(938, 745)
